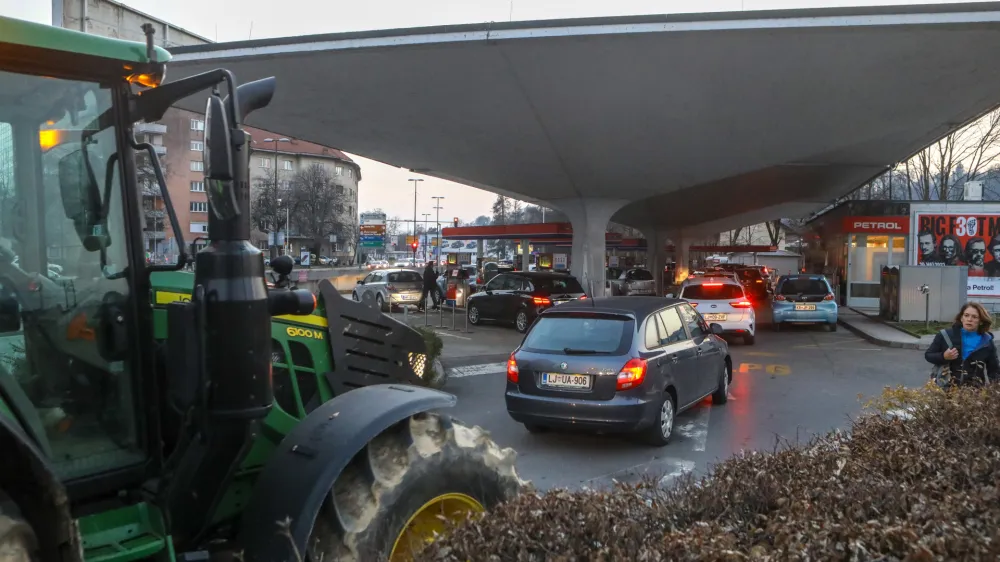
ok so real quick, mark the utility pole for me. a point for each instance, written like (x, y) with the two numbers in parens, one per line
(438, 207)
(425, 234)
(415, 180)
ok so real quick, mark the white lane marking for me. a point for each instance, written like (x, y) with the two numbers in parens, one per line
(476, 370)
(696, 429)
(440, 333)
(680, 468)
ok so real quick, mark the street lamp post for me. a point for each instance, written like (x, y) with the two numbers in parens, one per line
(415, 180)
(425, 234)
(438, 207)
(276, 141)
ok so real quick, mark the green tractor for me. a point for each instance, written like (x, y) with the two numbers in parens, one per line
(139, 414)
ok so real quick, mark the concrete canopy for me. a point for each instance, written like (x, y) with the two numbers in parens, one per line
(680, 125)
(689, 119)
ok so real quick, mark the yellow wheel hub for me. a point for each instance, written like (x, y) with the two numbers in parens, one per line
(431, 518)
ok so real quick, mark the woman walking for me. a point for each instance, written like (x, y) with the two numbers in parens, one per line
(966, 352)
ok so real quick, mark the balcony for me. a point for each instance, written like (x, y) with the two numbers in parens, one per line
(159, 149)
(150, 128)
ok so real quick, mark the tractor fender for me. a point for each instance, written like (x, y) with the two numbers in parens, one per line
(303, 468)
(27, 479)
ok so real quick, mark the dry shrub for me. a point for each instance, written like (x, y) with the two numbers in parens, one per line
(917, 488)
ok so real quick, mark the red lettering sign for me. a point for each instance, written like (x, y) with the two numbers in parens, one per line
(877, 225)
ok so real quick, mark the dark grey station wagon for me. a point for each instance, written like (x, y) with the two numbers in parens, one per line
(628, 364)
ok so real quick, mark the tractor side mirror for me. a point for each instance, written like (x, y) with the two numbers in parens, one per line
(361, 281)
(282, 265)
(218, 158)
(81, 199)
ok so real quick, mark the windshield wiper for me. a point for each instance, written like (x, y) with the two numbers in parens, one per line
(572, 351)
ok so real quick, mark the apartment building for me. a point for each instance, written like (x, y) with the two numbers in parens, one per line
(179, 137)
(283, 158)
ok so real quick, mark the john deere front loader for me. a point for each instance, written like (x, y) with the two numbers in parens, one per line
(116, 446)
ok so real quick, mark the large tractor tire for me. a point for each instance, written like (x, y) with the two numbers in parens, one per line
(17, 539)
(409, 483)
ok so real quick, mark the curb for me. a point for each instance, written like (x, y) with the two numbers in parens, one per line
(884, 323)
(879, 341)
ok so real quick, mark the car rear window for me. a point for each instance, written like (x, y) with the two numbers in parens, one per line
(640, 275)
(711, 291)
(580, 332)
(550, 285)
(404, 277)
(750, 273)
(803, 286)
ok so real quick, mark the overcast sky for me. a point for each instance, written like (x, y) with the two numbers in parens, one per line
(383, 185)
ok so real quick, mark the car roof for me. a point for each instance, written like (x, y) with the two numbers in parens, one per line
(640, 307)
(539, 274)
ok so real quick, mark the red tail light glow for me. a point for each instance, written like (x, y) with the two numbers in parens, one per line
(828, 297)
(631, 375)
(741, 304)
(712, 285)
(583, 297)
(779, 297)
(542, 301)
(512, 371)
(391, 288)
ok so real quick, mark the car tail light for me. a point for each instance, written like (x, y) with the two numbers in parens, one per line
(542, 301)
(779, 297)
(828, 297)
(583, 297)
(631, 375)
(712, 285)
(512, 371)
(693, 304)
(741, 304)
(390, 287)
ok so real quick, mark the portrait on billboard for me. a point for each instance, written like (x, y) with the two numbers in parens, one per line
(968, 240)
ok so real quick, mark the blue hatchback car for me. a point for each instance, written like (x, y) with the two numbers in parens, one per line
(804, 299)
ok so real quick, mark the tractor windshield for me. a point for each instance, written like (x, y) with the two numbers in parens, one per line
(64, 290)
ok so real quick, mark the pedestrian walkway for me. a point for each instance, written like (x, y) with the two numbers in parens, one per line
(874, 330)
(878, 332)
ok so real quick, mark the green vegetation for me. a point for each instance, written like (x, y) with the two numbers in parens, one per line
(920, 329)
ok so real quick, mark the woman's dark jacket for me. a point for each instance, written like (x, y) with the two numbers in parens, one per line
(985, 352)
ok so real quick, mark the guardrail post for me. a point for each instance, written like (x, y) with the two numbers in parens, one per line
(454, 307)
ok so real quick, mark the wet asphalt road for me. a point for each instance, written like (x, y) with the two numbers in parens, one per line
(787, 387)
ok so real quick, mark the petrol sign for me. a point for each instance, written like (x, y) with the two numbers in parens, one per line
(877, 225)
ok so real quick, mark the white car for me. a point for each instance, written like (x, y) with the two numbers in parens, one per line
(722, 301)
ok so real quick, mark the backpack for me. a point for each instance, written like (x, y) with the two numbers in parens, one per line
(941, 373)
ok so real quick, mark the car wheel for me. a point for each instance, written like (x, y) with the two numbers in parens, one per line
(473, 314)
(534, 428)
(380, 302)
(521, 321)
(749, 339)
(832, 327)
(659, 433)
(721, 395)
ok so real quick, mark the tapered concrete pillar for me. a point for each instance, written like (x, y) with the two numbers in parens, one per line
(589, 218)
(682, 253)
(656, 254)
(525, 254)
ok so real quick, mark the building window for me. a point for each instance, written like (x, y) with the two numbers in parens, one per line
(350, 173)
(339, 190)
(197, 125)
(340, 170)
(198, 146)
(199, 227)
(265, 163)
(199, 207)
(286, 164)
(197, 166)
(198, 186)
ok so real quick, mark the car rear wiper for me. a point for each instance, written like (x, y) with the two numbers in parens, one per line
(571, 351)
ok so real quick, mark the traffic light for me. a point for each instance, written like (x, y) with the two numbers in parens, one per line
(455, 222)
(413, 245)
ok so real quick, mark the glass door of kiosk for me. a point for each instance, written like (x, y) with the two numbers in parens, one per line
(867, 254)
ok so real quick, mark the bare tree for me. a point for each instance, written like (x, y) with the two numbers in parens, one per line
(266, 213)
(774, 231)
(317, 205)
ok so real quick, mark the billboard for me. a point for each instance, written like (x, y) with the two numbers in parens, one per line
(971, 240)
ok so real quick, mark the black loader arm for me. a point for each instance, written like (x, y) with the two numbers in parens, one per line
(302, 470)
(369, 347)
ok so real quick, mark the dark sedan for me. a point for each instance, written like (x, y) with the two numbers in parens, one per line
(519, 296)
(628, 364)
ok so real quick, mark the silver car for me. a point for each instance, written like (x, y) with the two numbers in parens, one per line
(632, 282)
(389, 288)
